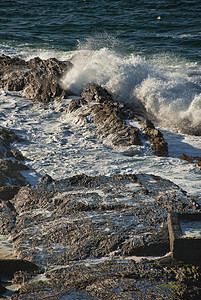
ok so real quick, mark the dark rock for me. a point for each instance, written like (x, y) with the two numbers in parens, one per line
(9, 266)
(155, 137)
(7, 192)
(7, 217)
(9, 173)
(116, 279)
(46, 179)
(8, 136)
(37, 79)
(9, 166)
(15, 154)
(2, 288)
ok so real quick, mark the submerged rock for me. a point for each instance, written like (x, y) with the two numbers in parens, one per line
(112, 121)
(36, 79)
(191, 159)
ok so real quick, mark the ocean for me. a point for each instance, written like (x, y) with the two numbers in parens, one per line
(144, 50)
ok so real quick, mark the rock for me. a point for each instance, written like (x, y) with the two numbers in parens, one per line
(46, 179)
(89, 228)
(2, 288)
(7, 192)
(9, 266)
(37, 79)
(15, 154)
(155, 137)
(7, 217)
(115, 279)
(95, 93)
(111, 119)
(87, 216)
(191, 159)
(10, 177)
(8, 136)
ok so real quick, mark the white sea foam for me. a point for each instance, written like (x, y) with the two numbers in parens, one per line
(166, 87)
(54, 145)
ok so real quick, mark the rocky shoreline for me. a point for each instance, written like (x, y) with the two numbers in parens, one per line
(89, 237)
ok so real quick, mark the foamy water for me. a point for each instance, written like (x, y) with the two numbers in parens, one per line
(53, 143)
(168, 89)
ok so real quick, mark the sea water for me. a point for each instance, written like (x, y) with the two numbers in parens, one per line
(146, 53)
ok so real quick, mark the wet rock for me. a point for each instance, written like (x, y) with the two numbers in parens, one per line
(10, 178)
(8, 136)
(95, 93)
(111, 119)
(155, 137)
(37, 79)
(15, 154)
(191, 159)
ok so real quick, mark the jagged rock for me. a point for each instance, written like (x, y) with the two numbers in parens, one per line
(37, 79)
(98, 107)
(95, 93)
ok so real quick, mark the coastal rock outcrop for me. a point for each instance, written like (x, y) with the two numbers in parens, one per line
(117, 124)
(36, 79)
(10, 177)
(86, 233)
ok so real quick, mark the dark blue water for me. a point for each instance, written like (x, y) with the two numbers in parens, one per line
(142, 26)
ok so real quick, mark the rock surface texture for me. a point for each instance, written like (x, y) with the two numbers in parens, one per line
(113, 121)
(87, 231)
(36, 79)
